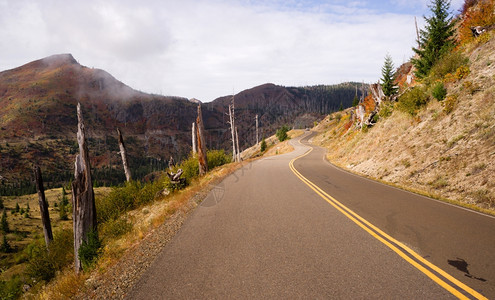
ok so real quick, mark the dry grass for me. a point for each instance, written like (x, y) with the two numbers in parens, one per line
(274, 147)
(144, 219)
(411, 152)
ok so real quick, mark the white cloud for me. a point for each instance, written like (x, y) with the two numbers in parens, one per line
(205, 49)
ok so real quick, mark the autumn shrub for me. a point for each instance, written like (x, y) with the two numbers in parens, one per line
(449, 103)
(476, 13)
(217, 158)
(439, 91)
(412, 100)
(462, 72)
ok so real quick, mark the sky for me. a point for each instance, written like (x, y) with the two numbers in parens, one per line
(205, 49)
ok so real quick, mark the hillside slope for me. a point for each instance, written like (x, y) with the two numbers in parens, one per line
(447, 155)
(38, 121)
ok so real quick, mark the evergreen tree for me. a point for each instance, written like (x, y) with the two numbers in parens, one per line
(388, 77)
(4, 225)
(17, 207)
(5, 247)
(436, 39)
(263, 145)
(355, 101)
(1, 203)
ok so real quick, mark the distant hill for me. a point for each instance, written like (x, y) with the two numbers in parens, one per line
(38, 120)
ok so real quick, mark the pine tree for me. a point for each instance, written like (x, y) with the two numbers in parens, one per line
(436, 39)
(4, 225)
(263, 145)
(5, 247)
(388, 77)
(355, 101)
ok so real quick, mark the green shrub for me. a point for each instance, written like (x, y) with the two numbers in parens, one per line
(89, 250)
(115, 228)
(263, 145)
(191, 168)
(439, 91)
(11, 289)
(282, 133)
(42, 264)
(448, 63)
(386, 110)
(412, 100)
(118, 201)
(125, 198)
(217, 158)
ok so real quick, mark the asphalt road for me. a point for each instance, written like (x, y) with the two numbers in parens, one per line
(273, 230)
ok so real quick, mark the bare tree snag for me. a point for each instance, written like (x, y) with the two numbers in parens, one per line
(257, 136)
(203, 163)
(45, 215)
(238, 156)
(123, 153)
(232, 130)
(194, 138)
(83, 200)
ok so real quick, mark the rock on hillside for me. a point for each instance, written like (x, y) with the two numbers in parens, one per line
(448, 155)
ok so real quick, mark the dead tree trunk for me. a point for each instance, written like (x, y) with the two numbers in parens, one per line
(257, 136)
(83, 200)
(238, 156)
(194, 138)
(123, 153)
(232, 130)
(45, 215)
(203, 163)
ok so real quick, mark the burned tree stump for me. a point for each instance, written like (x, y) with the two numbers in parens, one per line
(83, 200)
(175, 177)
(45, 215)
(123, 154)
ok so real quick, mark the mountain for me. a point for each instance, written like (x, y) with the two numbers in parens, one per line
(38, 120)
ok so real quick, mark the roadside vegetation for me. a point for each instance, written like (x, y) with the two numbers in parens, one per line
(28, 266)
(435, 134)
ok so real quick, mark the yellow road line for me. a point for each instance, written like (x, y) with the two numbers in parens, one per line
(389, 241)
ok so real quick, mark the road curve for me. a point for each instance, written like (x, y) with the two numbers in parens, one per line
(263, 233)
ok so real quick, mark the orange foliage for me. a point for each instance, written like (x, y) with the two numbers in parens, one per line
(369, 104)
(480, 14)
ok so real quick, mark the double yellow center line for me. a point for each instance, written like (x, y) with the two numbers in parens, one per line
(454, 286)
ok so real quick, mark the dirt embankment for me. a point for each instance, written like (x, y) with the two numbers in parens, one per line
(445, 155)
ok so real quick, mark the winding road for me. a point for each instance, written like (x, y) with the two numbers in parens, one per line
(294, 226)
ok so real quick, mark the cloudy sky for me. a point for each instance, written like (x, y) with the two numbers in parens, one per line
(209, 48)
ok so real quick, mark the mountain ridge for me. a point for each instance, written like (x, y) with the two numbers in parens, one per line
(38, 121)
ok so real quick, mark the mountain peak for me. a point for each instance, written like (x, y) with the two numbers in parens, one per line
(58, 59)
